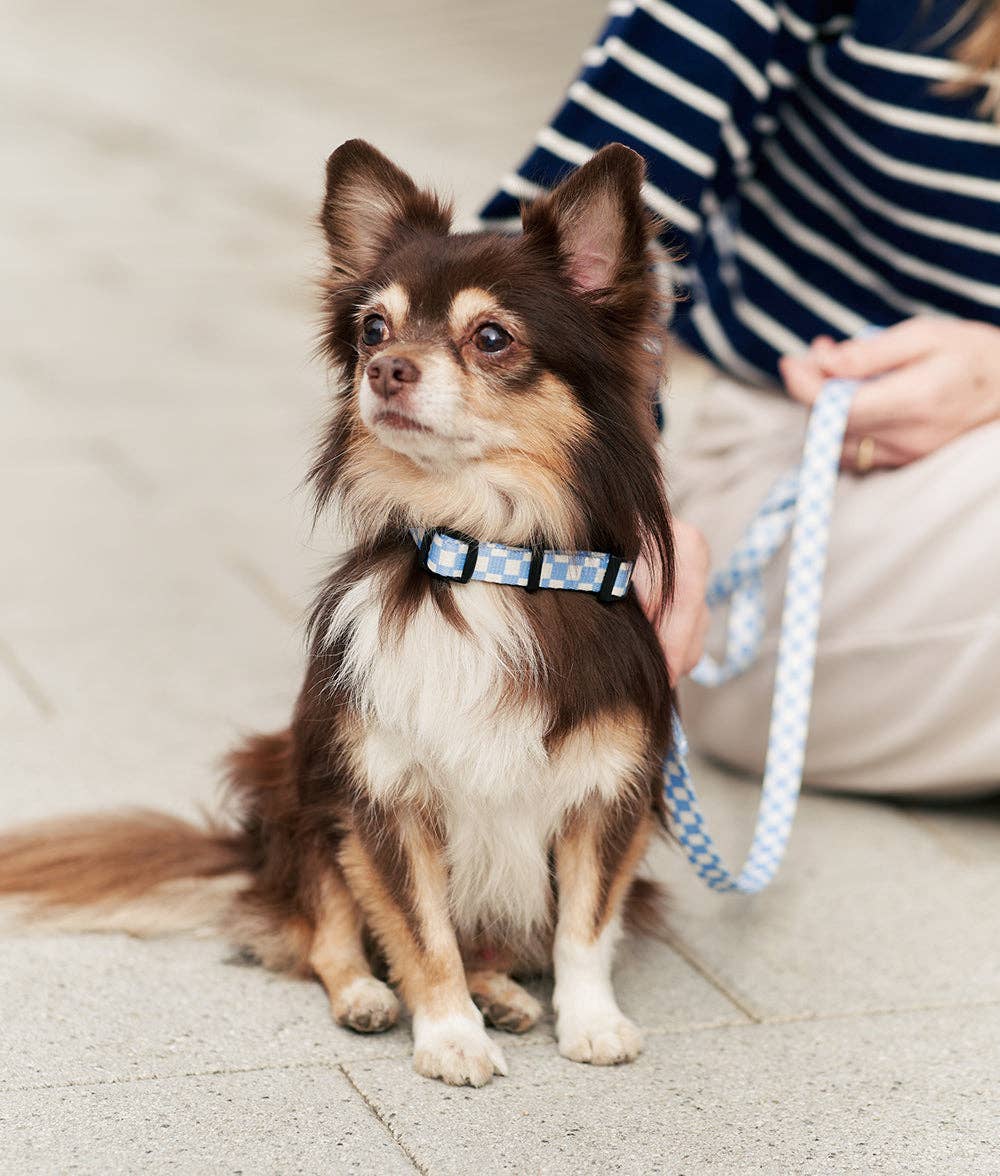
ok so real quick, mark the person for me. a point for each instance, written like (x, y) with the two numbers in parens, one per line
(822, 167)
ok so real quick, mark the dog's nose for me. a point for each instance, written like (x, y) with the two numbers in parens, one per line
(388, 373)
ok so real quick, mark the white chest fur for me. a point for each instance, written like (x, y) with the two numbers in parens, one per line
(440, 729)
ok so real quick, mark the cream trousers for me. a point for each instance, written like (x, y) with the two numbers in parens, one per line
(907, 691)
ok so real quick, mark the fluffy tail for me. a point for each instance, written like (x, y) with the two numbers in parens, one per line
(647, 909)
(143, 872)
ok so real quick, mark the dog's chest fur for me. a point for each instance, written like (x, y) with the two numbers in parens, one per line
(447, 725)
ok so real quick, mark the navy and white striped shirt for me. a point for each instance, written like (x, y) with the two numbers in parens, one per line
(814, 180)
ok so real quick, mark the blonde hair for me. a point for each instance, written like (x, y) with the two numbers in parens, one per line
(979, 49)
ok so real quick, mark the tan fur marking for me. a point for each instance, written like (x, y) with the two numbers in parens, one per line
(621, 879)
(578, 873)
(337, 956)
(395, 301)
(617, 740)
(515, 491)
(592, 890)
(427, 965)
(488, 499)
(469, 307)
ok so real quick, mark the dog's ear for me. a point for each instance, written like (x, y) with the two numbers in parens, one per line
(596, 220)
(369, 204)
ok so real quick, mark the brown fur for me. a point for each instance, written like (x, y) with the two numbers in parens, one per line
(338, 879)
(96, 860)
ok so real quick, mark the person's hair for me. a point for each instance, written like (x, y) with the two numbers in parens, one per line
(977, 23)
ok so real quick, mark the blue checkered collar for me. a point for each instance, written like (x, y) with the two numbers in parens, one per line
(454, 556)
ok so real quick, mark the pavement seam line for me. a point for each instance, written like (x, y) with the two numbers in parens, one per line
(262, 587)
(706, 973)
(120, 467)
(375, 1111)
(23, 678)
(125, 1079)
(521, 1044)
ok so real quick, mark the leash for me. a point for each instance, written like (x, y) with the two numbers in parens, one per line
(800, 502)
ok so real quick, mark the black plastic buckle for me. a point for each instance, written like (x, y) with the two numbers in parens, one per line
(471, 554)
(608, 583)
(535, 570)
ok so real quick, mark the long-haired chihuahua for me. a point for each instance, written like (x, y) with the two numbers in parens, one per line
(472, 771)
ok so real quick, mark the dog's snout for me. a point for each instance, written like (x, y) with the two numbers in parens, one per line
(388, 374)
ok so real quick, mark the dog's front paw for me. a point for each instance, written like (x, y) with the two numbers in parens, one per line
(603, 1039)
(365, 1004)
(455, 1049)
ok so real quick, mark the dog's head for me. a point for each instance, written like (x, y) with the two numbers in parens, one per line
(495, 384)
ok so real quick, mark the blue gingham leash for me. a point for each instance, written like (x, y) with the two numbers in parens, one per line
(455, 556)
(800, 502)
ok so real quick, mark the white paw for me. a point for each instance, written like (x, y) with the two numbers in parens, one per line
(366, 1004)
(455, 1049)
(603, 1039)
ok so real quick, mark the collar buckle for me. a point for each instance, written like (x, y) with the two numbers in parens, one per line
(606, 593)
(471, 553)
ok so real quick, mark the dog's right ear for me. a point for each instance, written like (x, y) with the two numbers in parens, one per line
(369, 204)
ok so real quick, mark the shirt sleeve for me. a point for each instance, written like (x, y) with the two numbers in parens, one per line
(691, 85)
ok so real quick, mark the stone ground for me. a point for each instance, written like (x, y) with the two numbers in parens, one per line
(161, 164)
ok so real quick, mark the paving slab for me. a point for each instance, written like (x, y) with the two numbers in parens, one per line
(969, 833)
(101, 1008)
(869, 912)
(107, 1007)
(303, 1120)
(906, 1093)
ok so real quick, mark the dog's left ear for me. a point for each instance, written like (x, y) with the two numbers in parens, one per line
(596, 220)
(369, 204)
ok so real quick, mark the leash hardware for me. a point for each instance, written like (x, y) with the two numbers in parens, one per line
(605, 596)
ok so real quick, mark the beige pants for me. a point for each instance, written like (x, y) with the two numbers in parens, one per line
(907, 692)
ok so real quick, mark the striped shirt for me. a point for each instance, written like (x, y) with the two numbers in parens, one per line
(814, 180)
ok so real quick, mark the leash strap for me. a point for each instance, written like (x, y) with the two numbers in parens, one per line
(801, 501)
(458, 557)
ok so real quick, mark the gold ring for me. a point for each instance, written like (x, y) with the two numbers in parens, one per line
(864, 459)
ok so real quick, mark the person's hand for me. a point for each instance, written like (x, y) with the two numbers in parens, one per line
(931, 379)
(684, 625)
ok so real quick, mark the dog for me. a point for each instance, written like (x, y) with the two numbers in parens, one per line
(472, 773)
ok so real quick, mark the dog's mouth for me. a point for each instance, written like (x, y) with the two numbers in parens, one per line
(391, 419)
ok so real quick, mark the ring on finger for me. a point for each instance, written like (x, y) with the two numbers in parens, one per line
(864, 458)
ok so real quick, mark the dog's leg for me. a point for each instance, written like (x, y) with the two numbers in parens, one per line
(337, 956)
(504, 1003)
(596, 857)
(396, 868)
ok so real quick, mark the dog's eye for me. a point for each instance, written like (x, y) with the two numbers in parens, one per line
(491, 337)
(374, 330)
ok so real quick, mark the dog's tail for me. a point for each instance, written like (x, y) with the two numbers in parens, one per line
(143, 872)
(647, 909)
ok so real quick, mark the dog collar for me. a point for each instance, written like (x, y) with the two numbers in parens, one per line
(454, 556)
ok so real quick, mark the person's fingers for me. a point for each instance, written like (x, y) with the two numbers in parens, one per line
(820, 347)
(682, 630)
(861, 359)
(900, 395)
(684, 640)
(803, 377)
